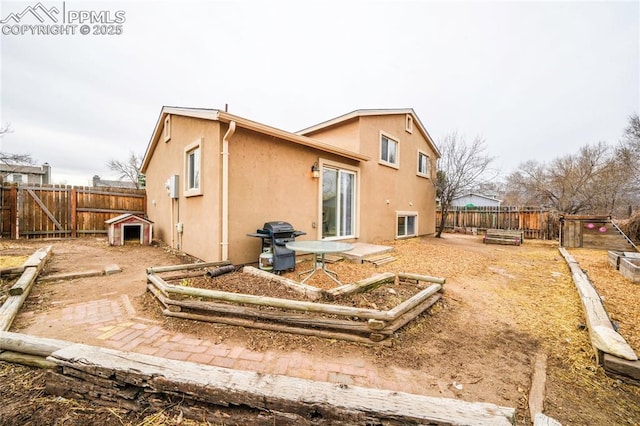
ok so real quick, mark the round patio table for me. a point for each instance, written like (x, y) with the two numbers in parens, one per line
(319, 248)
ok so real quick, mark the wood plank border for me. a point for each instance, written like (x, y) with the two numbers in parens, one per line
(101, 374)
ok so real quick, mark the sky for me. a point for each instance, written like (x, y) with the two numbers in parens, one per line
(537, 80)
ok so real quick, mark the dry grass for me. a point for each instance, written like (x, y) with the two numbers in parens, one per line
(619, 294)
(501, 305)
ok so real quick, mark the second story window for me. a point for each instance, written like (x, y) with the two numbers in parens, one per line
(423, 164)
(389, 151)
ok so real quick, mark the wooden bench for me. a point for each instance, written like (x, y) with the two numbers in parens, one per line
(503, 236)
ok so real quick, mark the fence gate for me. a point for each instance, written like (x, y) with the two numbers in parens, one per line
(45, 211)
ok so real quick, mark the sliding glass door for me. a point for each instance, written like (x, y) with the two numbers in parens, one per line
(338, 202)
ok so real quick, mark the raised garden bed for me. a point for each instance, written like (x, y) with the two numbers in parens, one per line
(630, 269)
(369, 310)
(615, 256)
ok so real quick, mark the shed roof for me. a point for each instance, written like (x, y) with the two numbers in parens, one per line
(125, 216)
(373, 112)
(225, 117)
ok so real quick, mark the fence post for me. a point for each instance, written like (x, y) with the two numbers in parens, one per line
(13, 213)
(74, 212)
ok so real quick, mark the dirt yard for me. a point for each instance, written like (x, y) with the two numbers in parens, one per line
(501, 306)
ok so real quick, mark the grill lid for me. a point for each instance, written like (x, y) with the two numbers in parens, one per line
(277, 227)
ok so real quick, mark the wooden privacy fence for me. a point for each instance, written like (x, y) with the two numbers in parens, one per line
(534, 222)
(45, 211)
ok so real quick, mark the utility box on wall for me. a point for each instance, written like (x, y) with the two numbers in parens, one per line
(173, 187)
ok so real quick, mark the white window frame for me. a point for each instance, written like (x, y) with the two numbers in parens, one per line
(407, 214)
(390, 138)
(190, 191)
(166, 131)
(340, 166)
(427, 173)
(24, 178)
(408, 124)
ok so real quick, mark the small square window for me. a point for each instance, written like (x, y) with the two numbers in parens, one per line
(167, 128)
(409, 123)
(423, 164)
(389, 151)
(406, 225)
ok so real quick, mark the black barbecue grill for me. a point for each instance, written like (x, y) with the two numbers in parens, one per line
(275, 235)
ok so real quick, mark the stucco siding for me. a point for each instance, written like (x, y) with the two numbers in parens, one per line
(198, 214)
(404, 190)
(269, 180)
(345, 135)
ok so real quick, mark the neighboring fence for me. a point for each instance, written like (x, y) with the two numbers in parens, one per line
(535, 222)
(45, 211)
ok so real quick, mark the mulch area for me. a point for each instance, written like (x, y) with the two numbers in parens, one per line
(384, 297)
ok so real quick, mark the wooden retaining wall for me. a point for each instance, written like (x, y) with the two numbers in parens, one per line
(611, 350)
(53, 211)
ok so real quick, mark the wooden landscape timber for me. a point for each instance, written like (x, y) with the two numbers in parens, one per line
(208, 393)
(20, 290)
(310, 292)
(32, 267)
(319, 319)
(362, 285)
(503, 236)
(608, 345)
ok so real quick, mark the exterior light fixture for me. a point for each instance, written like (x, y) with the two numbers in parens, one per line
(315, 171)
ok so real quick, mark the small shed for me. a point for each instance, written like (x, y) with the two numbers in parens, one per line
(129, 228)
(594, 232)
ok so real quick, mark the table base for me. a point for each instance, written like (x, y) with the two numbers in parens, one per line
(319, 266)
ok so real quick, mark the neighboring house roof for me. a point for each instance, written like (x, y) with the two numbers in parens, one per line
(370, 112)
(225, 117)
(473, 194)
(16, 168)
(104, 183)
(124, 217)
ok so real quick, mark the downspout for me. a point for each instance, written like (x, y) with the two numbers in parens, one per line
(224, 242)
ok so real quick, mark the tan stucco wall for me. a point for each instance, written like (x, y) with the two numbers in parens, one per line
(345, 135)
(403, 188)
(270, 179)
(200, 215)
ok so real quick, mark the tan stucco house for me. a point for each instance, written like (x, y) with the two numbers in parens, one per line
(212, 177)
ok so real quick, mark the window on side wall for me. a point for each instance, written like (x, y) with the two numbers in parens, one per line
(167, 128)
(389, 151)
(406, 224)
(408, 124)
(423, 164)
(193, 163)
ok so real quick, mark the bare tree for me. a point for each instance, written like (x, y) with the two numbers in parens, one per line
(128, 170)
(628, 152)
(462, 167)
(12, 159)
(590, 181)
